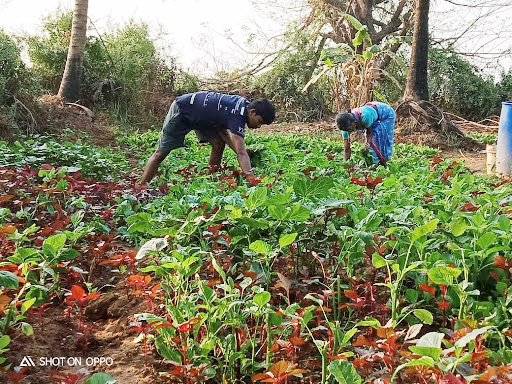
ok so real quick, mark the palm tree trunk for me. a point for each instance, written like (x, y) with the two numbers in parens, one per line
(70, 86)
(417, 86)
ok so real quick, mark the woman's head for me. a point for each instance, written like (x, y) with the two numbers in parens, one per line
(346, 122)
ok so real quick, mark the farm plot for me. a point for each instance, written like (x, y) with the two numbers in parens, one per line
(325, 272)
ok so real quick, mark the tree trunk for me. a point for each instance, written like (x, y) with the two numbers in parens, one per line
(70, 86)
(417, 86)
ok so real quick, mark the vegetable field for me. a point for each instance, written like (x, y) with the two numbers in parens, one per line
(326, 272)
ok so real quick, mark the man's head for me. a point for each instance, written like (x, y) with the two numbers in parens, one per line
(346, 122)
(259, 112)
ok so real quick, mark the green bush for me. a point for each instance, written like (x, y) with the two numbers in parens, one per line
(122, 69)
(11, 69)
(458, 86)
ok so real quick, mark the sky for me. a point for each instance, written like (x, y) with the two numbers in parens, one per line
(194, 30)
(188, 25)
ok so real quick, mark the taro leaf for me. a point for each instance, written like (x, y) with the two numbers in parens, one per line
(424, 316)
(424, 361)
(9, 280)
(443, 275)
(463, 341)
(256, 199)
(156, 244)
(261, 247)
(429, 345)
(100, 378)
(344, 372)
(486, 240)
(261, 298)
(307, 188)
(458, 228)
(424, 230)
(287, 239)
(53, 244)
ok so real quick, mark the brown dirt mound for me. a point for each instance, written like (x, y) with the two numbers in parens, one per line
(423, 123)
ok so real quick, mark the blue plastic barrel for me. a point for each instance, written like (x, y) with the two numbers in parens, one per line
(504, 147)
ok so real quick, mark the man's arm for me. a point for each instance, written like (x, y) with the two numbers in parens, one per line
(237, 144)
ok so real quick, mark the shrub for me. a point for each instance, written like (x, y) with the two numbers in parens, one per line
(458, 86)
(11, 69)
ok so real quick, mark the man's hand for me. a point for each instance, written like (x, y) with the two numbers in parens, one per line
(254, 181)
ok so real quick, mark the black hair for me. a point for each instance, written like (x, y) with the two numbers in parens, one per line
(263, 108)
(345, 120)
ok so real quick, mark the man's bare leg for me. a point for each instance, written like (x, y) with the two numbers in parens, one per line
(218, 146)
(152, 166)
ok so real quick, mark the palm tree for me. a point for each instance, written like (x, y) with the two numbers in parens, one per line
(417, 86)
(70, 86)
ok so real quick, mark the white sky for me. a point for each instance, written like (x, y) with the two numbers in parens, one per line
(194, 29)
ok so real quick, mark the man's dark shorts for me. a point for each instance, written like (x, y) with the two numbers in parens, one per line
(175, 129)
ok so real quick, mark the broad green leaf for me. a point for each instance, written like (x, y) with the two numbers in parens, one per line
(424, 361)
(361, 36)
(287, 239)
(486, 240)
(295, 213)
(261, 298)
(443, 275)
(261, 247)
(355, 23)
(424, 230)
(369, 322)
(53, 244)
(424, 316)
(344, 372)
(100, 378)
(429, 345)
(257, 198)
(411, 295)
(458, 228)
(27, 304)
(27, 329)
(9, 280)
(378, 261)
(504, 223)
(307, 188)
(166, 351)
(4, 341)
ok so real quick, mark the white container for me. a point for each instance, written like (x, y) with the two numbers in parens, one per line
(504, 147)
